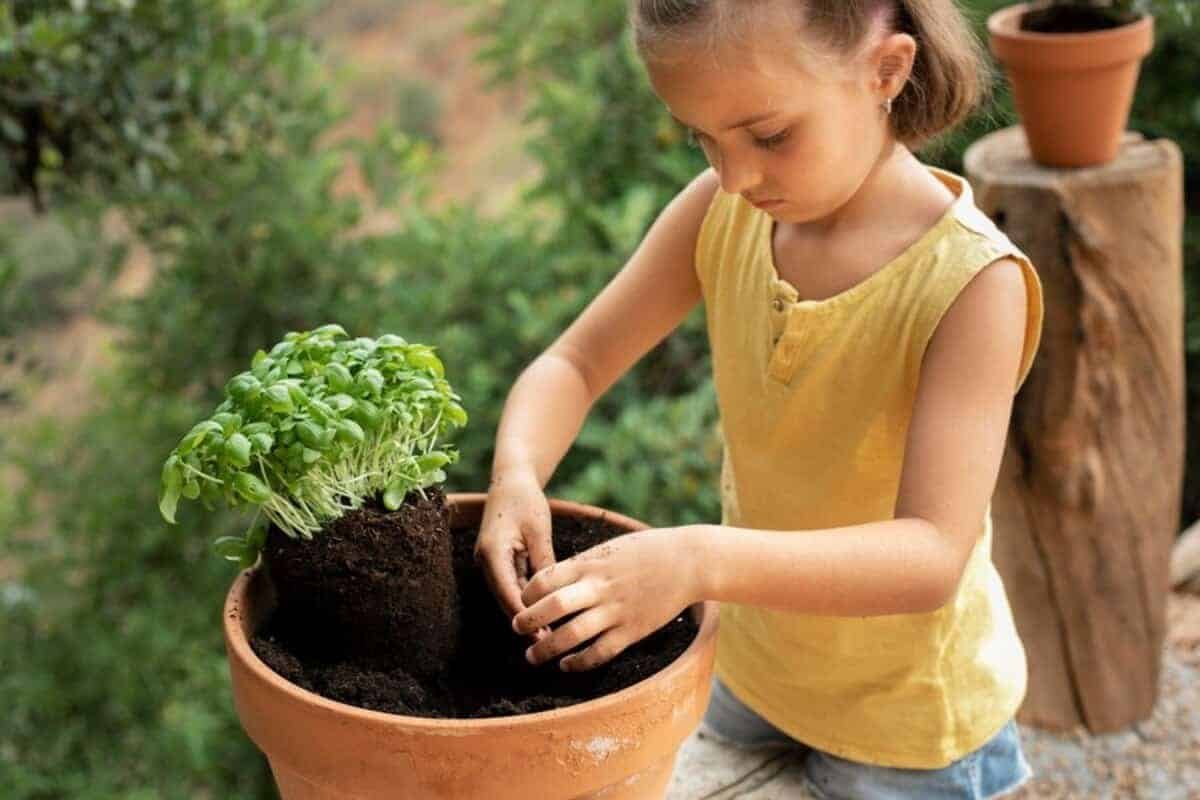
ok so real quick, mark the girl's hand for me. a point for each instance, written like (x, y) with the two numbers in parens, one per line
(514, 537)
(623, 590)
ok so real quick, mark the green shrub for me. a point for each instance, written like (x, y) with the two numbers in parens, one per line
(50, 267)
(418, 110)
(111, 95)
(111, 618)
(113, 667)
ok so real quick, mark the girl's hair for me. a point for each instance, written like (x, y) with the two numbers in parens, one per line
(951, 74)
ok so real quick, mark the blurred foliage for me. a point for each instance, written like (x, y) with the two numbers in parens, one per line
(47, 263)
(110, 95)
(418, 110)
(113, 669)
(109, 618)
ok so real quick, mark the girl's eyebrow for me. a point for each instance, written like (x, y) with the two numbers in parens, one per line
(741, 124)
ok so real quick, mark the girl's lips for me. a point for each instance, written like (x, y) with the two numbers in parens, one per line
(768, 203)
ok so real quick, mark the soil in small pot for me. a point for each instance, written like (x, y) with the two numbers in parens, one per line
(487, 675)
(375, 587)
(1070, 19)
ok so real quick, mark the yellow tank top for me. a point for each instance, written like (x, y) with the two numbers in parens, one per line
(815, 397)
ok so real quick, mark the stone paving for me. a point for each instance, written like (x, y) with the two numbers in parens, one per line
(1158, 759)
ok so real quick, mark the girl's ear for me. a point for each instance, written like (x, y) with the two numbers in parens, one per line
(894, 59)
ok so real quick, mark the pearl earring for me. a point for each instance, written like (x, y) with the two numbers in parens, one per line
(887, 105)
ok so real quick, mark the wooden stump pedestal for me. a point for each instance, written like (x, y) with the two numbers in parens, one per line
(1088, 501)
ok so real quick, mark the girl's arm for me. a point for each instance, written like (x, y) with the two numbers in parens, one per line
(909, 564)
(646, 300)
(547, 405)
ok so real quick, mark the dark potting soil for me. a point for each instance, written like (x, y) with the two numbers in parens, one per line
(487, 674)
(1069, 19)
(375, 588)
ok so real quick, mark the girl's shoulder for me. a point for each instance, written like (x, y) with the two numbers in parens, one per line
(980, 228)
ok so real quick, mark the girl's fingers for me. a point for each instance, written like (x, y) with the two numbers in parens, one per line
(499, 569)
(603, 650)
(521, 565)
(549, 580)
(567, 600)
(541, 547)
(591, 623)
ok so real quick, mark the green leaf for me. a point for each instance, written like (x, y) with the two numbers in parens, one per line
(350, 431)
(340, 402)
(311, 434)
(338, 377)
(167, 502)
(230, 548)
(244, 387)
(435, 477)
(296, 392)
(279, 398)
(229, 422)
(372, 379)
(367, 413)
(171, 480)
(321, 410)
(237, 448)
(327, 436)
(311, 456)
(397, 490)
(455, 413)
(432, 460)
(333, 330)
(196, 435)
(420, 383)
(263, 442)
(251, 487)
(390, 341)
(427, 360)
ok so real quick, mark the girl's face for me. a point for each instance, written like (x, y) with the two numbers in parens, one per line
(773, 129)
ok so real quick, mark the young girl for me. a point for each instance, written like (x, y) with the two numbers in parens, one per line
(869, 327)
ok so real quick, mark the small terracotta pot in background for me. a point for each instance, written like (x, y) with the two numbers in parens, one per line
(620, 746)
(1072, 91)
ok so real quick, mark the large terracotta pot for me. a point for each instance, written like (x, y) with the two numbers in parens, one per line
(618, 747)
(1072, 91)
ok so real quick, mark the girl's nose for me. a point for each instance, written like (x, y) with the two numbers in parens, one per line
(737, 178)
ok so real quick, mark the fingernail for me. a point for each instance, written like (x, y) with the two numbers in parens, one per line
(563, 665)
(529, 655)
(516, 628)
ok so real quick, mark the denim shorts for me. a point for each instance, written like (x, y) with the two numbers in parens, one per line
(994, 770)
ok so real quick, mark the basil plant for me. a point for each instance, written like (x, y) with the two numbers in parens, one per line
(313, 429)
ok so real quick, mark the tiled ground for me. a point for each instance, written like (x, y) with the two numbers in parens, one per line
(1158, 758)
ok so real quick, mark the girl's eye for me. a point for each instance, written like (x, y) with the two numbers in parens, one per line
(774, 141)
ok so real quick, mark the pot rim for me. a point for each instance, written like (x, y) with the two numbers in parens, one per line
(239, 647)
(1002, 23)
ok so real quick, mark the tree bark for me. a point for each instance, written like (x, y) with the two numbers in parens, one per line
(1087, 505)
(1185, 560)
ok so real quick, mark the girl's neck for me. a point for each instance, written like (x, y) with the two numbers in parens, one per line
(897, 182)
